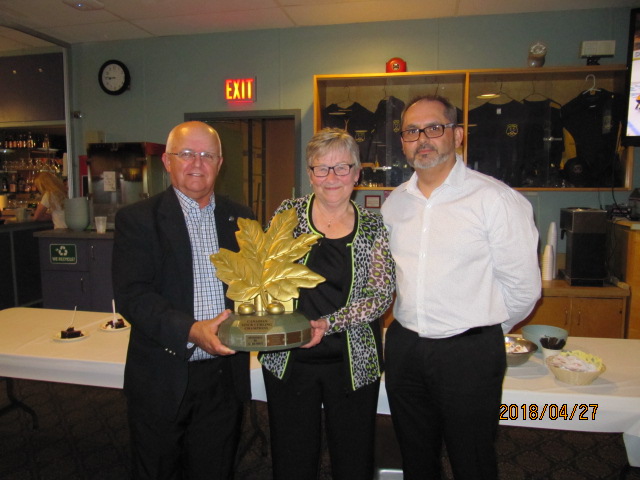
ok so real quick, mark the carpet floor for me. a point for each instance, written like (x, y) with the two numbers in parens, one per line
(83, 434)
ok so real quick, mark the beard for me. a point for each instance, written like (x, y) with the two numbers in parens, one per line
(424, 162)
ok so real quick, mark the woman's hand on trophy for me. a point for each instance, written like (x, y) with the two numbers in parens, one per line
(318, 329)
(205, 335)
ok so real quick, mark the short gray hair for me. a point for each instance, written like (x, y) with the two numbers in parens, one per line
(330, 139)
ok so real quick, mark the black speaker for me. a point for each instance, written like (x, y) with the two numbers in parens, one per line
(585, 229)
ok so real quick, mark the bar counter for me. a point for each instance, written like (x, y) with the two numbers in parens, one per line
(20, 272)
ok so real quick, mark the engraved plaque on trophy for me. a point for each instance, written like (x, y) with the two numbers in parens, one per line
(263, 278)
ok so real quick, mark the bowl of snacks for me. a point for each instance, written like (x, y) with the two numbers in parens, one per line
(575, 367)
(555, 335)
(519, 350)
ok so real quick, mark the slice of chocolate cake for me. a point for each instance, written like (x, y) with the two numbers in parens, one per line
(119, 323)
(70, 333)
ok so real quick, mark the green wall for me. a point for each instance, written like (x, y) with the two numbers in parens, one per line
(175, 75)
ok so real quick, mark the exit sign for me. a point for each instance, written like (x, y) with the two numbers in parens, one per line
(240, 90)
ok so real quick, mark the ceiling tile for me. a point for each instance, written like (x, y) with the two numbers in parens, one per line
(218, 22)
(129, 19)
(368, 11)
(145, 9)
(50, 13)
(97, 33)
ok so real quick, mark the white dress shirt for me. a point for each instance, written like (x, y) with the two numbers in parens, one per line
(465, 257)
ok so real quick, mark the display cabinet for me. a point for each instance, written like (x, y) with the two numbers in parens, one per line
(532, 128)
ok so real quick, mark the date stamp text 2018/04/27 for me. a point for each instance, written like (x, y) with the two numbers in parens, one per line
(550, 411)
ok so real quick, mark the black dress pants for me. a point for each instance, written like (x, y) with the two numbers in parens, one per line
(201, 442)
(446, 390)
(295, 417)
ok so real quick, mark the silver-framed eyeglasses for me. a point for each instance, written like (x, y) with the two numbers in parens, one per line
(190, 156)
(431, 131)
(340, 169)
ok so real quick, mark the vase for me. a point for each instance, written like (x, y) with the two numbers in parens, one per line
(76, 213)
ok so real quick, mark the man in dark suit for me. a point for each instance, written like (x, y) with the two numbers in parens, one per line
(184, 388)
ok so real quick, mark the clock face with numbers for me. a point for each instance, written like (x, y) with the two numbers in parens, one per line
(114, 77)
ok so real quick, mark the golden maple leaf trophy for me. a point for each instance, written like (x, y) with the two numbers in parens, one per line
(263, 278)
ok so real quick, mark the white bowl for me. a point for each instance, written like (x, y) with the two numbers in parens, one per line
(534, 333)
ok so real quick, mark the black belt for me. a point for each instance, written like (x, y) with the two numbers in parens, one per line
(466, 333)
(473, 331)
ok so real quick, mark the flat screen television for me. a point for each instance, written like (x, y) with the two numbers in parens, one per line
(632, 127)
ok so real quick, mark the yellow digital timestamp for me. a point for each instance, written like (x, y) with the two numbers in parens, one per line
(550, 411)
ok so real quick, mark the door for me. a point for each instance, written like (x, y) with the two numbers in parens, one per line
(261, 153)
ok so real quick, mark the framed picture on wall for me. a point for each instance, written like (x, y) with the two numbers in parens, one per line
(372, 201)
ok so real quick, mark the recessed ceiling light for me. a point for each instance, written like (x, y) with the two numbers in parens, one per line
(84, 5)
(488, 95)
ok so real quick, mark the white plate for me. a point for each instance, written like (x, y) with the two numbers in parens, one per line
(111, 330)
(57, 337)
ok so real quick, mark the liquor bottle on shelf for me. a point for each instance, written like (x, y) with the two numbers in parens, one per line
(28, 183)
(21, 184)
(13, 184)
(4, 185)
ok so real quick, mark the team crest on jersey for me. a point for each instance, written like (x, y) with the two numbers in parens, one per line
(360, 135)
(396, 126)
(512, 129)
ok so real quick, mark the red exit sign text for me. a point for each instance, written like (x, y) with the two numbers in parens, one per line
(240, 90)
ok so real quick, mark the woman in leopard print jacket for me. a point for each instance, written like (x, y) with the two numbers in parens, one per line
(340, 368)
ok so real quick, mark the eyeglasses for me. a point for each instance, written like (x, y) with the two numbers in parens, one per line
(340, 170)
(432, 131)
(190, 156)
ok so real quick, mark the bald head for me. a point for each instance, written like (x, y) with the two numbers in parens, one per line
(190, 129)
(193, 175)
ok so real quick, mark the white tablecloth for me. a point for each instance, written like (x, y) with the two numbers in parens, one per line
(27, 350)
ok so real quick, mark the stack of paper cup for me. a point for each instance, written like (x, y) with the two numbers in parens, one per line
(552, 239)
(547, 266)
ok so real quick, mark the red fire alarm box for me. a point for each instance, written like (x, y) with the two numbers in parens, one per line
(396, 65)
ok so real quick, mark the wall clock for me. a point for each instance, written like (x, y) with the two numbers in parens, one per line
(114, 77)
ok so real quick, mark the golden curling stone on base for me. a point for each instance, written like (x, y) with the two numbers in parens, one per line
(263, 278)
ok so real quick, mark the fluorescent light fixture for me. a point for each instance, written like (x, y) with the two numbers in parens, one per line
(84, 5)
(488, 96)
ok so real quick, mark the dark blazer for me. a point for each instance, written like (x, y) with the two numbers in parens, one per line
(153, 288)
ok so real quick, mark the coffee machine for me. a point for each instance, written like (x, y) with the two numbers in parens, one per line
(585, 229)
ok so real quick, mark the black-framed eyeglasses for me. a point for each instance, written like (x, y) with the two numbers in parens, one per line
(340, 169)
(190, 156)
(432, 131)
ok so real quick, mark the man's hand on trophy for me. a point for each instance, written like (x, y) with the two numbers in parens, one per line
(318, 329)
(205, 335)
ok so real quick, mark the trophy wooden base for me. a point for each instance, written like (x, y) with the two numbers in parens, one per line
(265, 332)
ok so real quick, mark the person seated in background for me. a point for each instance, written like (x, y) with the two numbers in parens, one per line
(51, 206)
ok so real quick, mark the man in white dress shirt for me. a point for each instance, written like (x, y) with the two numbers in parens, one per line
(465, 247)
